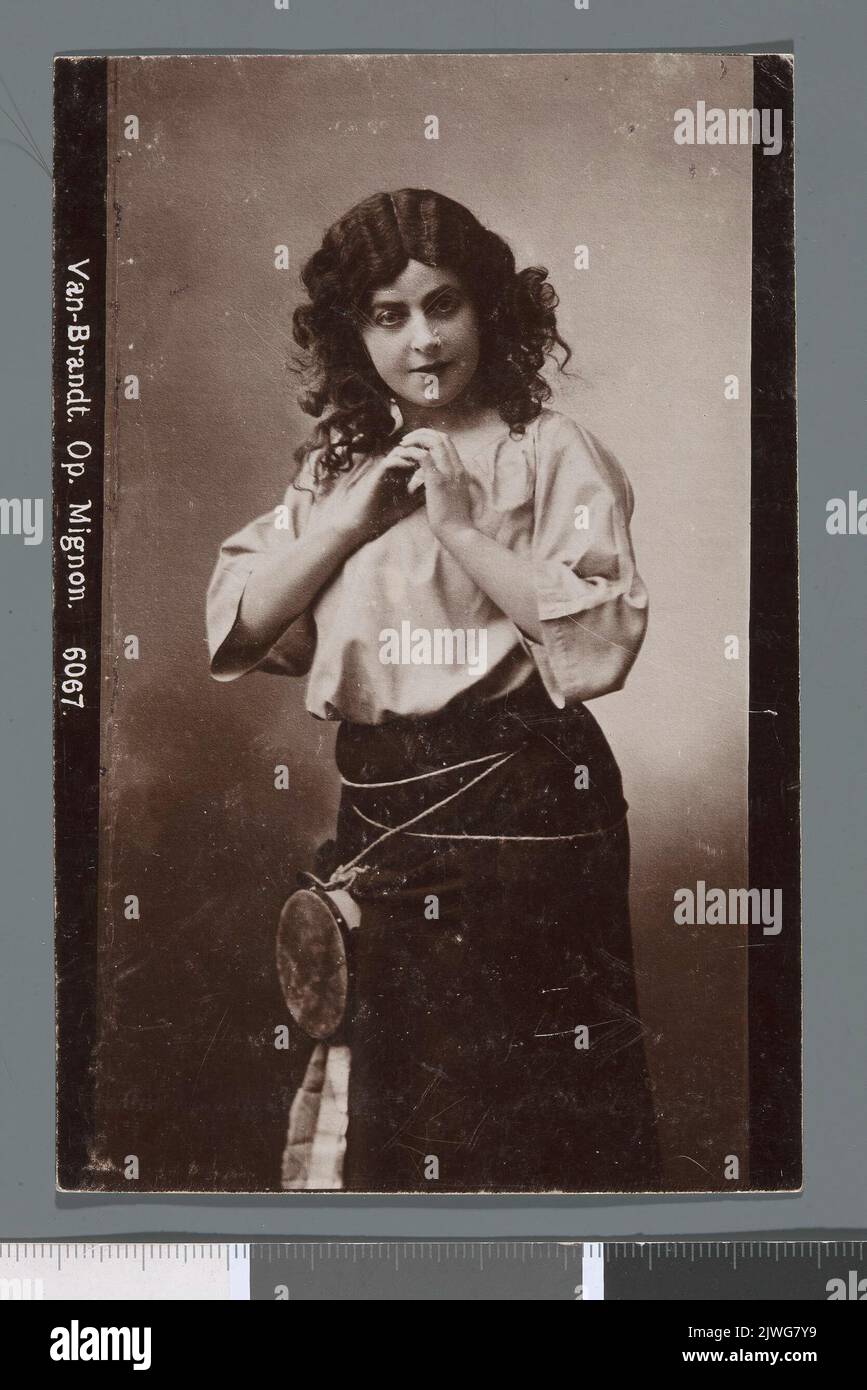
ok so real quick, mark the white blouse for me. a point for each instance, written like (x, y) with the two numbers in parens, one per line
(402, 629)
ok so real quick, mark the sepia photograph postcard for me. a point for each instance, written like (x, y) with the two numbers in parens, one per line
(425, 561)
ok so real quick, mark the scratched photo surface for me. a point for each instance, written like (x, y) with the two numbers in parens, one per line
(198, 1060)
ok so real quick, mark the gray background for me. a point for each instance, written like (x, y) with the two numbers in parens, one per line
(827, 42)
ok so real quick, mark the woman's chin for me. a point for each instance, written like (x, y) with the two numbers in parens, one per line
(448, 392)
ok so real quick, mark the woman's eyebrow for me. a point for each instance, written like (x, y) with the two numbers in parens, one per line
(401, 303)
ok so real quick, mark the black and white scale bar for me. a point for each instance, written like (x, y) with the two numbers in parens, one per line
(355, 1271)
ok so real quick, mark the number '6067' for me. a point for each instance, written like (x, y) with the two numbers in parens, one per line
(71, 683)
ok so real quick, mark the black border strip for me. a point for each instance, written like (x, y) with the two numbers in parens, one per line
(80, 167)
(775, 1077)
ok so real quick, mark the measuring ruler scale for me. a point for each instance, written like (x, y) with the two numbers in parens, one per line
(549, 1270)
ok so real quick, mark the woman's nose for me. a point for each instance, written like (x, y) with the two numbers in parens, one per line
(424, 337)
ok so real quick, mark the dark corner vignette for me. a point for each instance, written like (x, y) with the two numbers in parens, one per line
(775, 1076)
(78, 396)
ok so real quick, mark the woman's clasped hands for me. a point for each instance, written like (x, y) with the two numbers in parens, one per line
(442, 475)
(374, 498)
(370, 500)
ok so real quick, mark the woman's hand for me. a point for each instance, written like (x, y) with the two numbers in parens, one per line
(444, 478)
(506, 578)
(370, 500)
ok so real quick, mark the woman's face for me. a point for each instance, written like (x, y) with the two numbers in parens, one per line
(422, 335)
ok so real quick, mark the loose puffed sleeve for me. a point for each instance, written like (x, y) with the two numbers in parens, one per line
(292, 654)
(592, 602)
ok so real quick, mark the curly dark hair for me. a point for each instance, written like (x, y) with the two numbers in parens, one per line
(367, 248)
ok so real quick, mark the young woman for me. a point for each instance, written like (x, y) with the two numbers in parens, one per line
(452, 569)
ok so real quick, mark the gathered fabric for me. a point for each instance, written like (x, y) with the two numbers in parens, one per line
(494, 1041)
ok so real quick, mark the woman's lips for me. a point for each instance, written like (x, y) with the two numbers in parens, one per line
(430, 370)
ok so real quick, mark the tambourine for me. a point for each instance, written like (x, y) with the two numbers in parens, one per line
(314, 935)
(314, 956)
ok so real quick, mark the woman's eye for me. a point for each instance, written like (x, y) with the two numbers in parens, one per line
(447, 305)
(392, 318)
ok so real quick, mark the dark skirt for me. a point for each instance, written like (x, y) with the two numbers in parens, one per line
(494, 1027)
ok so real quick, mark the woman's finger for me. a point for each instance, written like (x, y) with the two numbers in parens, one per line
(436, 440)
(416, 481)
(425, 439)
(398, 463)
(438, 459)
(408, 459)
(427, 472)
(442, 451)
(423, 435)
